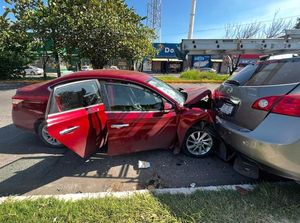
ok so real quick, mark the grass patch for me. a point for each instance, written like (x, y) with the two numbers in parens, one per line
(195, 76)
(199, 75)
(266, 203)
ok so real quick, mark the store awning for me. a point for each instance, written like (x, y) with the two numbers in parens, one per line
(217, 60)
(166, 60)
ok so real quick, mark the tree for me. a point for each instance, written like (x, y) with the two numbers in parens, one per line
(15, 48)
(257, 30)
(277, 27)
(105, 30)
(243, 31)
(45, 22)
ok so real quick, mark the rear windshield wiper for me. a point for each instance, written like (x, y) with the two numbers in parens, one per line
(234, 82)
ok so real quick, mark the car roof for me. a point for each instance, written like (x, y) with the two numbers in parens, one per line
(123, 75)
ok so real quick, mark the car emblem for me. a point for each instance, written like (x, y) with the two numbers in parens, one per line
(229, 90)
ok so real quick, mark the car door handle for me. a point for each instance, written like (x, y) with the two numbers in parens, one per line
(69, 130)
(119, 126)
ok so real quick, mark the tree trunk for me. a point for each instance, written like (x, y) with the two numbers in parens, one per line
(56, 56)
(79, 66)
(45, 61)
(44, 69)
(98, 63)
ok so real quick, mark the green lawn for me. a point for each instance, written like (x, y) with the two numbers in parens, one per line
(195, 76)
(265, 204)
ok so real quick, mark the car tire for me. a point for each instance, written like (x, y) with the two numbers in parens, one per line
(46, 138)
(200, 141)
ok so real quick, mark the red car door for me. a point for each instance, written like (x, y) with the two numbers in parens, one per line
(137, 120)
(76, 116)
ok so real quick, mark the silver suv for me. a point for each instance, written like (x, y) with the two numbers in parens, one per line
(258, 115)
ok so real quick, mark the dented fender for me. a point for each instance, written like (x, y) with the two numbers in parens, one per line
(189, 117)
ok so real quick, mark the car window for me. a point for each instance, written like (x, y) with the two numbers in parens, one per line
(75, 95)
(167, 89)
(129, 97)
(276, 72)
(243, 75)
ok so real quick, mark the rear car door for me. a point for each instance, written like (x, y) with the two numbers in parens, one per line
(137, 119)
(76, 116)
(236, 98)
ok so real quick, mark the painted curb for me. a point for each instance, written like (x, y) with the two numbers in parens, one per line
(75, 197)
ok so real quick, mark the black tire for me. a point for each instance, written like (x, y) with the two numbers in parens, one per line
(45, 138)
(194, 146)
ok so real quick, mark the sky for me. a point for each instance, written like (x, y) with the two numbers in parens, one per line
(212, 15)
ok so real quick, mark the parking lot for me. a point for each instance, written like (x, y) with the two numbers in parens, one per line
(28, 167)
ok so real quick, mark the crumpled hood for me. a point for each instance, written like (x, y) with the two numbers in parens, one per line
(196, 94)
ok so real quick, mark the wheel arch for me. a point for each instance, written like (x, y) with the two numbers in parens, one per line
(37, 123)
(198, 125)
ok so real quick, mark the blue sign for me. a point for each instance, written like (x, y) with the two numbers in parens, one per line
(166, 50)
(201, 61)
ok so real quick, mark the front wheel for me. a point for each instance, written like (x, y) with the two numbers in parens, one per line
(46, 138)
(199, 142)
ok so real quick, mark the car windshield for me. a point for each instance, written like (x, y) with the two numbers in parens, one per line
(167, 89)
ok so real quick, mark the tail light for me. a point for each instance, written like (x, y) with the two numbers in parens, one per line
(217, 94)
(281, 104)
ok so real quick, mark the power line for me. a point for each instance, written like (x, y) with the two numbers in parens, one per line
(242, 24)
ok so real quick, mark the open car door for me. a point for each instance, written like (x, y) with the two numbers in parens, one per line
(76, 117)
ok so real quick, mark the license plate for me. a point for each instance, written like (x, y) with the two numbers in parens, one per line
(226, 109)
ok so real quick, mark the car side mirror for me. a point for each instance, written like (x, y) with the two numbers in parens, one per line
(167, 107)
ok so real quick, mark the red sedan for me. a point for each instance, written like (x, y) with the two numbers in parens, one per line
(116, 112)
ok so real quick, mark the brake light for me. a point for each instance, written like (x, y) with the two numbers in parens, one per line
(281, 104)
(288, 105)
(217, 94)
(265, 103)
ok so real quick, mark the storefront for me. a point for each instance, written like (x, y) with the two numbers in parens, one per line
(167, 60)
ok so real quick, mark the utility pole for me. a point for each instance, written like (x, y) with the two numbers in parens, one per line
(192, 20)
(154, 17)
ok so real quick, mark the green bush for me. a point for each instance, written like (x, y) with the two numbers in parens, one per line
(200, 75)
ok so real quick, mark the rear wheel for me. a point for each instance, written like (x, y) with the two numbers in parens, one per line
(199, 142)
(46, 138)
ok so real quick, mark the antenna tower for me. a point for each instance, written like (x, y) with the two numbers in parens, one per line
(154, 17)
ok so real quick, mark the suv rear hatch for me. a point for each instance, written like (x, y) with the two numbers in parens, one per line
(236, 96)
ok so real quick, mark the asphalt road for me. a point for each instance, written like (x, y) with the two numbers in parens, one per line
(28, 167)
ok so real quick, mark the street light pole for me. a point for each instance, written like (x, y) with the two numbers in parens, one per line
(192, 20)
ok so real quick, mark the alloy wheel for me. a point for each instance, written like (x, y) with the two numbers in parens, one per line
(49, 139)
(199, 143)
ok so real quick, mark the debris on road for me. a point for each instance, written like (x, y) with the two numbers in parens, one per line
(193, 185)
(143, 164)
(241, 190)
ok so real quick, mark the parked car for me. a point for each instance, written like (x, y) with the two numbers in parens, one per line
(258, 115)
(208, 69)
(32, 70)
(126, 111)
(86, 67)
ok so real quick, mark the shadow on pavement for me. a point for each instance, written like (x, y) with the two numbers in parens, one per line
(17, 141)
(29, 167)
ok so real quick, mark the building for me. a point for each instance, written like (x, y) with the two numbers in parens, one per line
(169, 59)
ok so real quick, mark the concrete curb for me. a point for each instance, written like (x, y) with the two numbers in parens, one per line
(75, 197)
